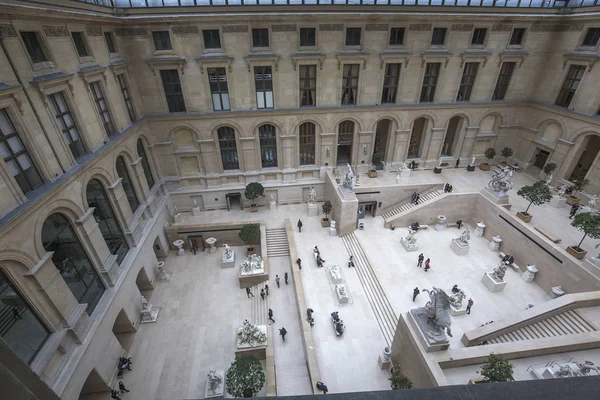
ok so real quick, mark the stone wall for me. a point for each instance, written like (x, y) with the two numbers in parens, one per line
(447, 205)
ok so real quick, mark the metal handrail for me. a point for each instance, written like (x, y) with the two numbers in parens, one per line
(421, 193)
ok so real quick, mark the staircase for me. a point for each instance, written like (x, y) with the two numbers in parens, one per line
(568, 322)
(277, 243)
(260, 307)
(384, 313)
(393, 213)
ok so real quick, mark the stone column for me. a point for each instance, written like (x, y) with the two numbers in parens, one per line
(121, 209)
(365, 139)
(249, 154)
(288, 158)
(435, 144)
(401, 145)
(561, 151)
(328, 147)
(467, 141)
(208, 150)
(138, 172)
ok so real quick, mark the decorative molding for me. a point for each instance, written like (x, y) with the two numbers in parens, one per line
(377, 27)
(565, 142)
(402, 57)
(254, 59)
(331, 27)
(89, 73)
(516, 56)
(442, 56)
(7, 31)
(218, 60)
(56, 31)
(537, 27)
(168, 62)
(12, 91)
(93, 31)
(352, 57)
(131, 31)
(235, 28)
(461, 27)
(283, 28)
(419, 27)
(474, 56)
(588, 58)
(317, 58)
(502, 28)
(185, 30)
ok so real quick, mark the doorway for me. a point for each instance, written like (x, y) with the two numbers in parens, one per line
(367, 208)
(541, 158)
(591, 146)
(234, 200)
(345, 136)
(417, 137)
(199, 240)
(451, 137)
(382, 135)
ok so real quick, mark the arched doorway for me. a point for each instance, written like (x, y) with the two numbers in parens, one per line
(590, 146)
(123, 173)
(106, 219)
(382, 137)
(417, 137)
(124, 330)
(344, 145)
(94, 387)
(452, 133)
(71, 260)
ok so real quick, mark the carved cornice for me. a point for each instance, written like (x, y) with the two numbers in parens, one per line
(56, 31)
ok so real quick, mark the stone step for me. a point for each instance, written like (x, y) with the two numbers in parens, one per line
(397, 211)
(277, 243)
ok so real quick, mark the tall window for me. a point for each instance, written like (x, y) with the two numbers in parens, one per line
(15, 155)
(307, 143)
(268, 145)
(438, 37)
(591, 37)
(145, 164)
(397, 37)
(263, 81)
(432, 71)
(102, 107)
(353, 36)
(20, 327)
(106, 220)
(467, 81)
(350, 83)
(110, 42)
(123, 173)
(228, 146)
(126, 96)
(71, 260)
(570, 85)
(79, 41)
(162, 40)
(260, 37)
(33, 44)
(390, 83)
(173, 92)
(503, 80)
(67, 125)
(212, 40)
(218, 88)
(308, 37)
(478, 38)
(516, 39)
(308, 85)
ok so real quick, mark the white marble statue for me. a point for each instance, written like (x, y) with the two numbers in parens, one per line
(472, 161)
(312, 195)
(411, 239)
(227, 250)
(335, 272)
(341, 290)
(144, 303)
(349, 178)
(272, 202)
(549, 178)
(251, 335)
(457, 298)
(214, 381)
(253, 264)
(195, 204)
(592, 201)
(465, 237)
(496, 238)
(501, 180)
(500, 271)
(175, 210)
(562, 190)
(402, 167)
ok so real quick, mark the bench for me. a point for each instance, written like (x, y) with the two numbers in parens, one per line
(513, 265)
(420, 227)
(553, 238)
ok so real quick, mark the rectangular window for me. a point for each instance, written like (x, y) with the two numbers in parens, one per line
(260, 37)
(110, 43)
(126, 96)
(308, 85)
(516, 39)
(438, 38)
(67, 124)
(79, 41)
(503, 80)
(432, 71)
(15, 155)
(390, 83)
(570, 86)
(308, 37)
(350, 83)
(263, 82)
(217, 79)
(591, 37)
(478, 38)
(33, 44)
(353, 36)
(467, 81)
(397, 37)
(173, 92)
(212, 40)
(102, 107)
(162, 40)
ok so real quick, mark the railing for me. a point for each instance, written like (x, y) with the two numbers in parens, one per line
(442, 3)
(405, 200)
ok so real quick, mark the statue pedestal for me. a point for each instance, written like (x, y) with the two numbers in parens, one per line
(430, 341)
(342, 297)
(228, 262)
(489, 282)
(335, 274)
(479, 230)
(179, 244)
(495, 244)
(405, 173)
(440, 223)
(555, 292)
(332, 231)
(312, 210)
(494, 197)
(150, 314)
(384, 362)
(218, 392)
(529, 275)
(178, 218)
(459, 248)
(408, 246)
(196, 211)
(558, 201)
(272, 206)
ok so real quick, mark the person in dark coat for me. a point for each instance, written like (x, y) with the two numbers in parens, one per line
(322, 386)
(427, 264)
(271, 315)
(262, 293)
(415, 293)
(457, 163)
(417, 199)
(194, 246)
(351, 262)
(469, 305)
(320, 261)
(459, 223)
(285, 278)
(574, 209)
(299, 262)
(114, 395)
(267, 289)
(277, 280)
(283, 332)
(299, 226)
(248, 292)
(420, 260)
(122, 387)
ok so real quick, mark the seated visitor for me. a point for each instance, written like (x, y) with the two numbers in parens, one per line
(335, 316)
(415, 226)
(455, 289)
(508, 259)
(339, 326)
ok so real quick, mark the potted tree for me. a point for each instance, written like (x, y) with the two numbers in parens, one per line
(506, 152)
(538, 194)
(399, 382)
(245, 377)
(496, 369)
(578, 186)
(489, 154)
(376, 164)
(326, 208)
(253, 190)
(250, 235)
(589, 224)
(548, 169)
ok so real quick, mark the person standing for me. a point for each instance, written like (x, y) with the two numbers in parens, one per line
(457, 163)
(285, 278)
(271, 315)
(283, 332)
(262, 293)
(299, 226)
(299, 262)
(417, 199)
(122, 387)
(469, 305)
(194, 246)
(459, 223)
(427, 264)
(420, 261)
(277, 280)
(248, 292)
(114, 395)
(415, 293)
(267, 289)
(574, 209)
(322, 386)
(351, 262)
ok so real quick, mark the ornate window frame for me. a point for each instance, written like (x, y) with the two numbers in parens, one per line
(100, 74)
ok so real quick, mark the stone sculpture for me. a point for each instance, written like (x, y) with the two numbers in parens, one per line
(500, 271)
(496, 238)
(214, 381)
(175, 210)
(549, 179)
(465, 237)
(195, 204)
(403, 167)
(144, 303)
(411, 239)
(501, 181)
(562, 189)
(272, 199)
(312, 195)
(436, 310)
(227, 250)
(251, 335)
(457, 298)
(349, 179)
(252, 265)
(592, 202)
(472, 161)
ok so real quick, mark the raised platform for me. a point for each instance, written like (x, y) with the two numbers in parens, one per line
(489, 282)
(493, 196)
(459, 248)
(228, 262)
(431, 344)
(408, 246)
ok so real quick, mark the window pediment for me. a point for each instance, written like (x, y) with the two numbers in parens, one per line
(589, 59)
(317, 58)
(45, 82)
(514, 55)
(214, 60)
(402, 57)
(474, 56)
(352, 57)
(158, 63)
(118, 67)
(435, 56)
(11, 91)
(255, 59)
(92, 72)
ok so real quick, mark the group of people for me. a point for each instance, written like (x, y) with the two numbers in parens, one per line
(420, 262)
(337, 322)
(415, 198)
(317, 254)
(124, 364)
(448, 188)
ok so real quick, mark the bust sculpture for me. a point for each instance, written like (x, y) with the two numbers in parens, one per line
(312, 195)
(214, 381)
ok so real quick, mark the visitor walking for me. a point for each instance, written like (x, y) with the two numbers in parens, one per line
(262, 293)
(417, 199)
(420, 261)
(413, 198)
(459, 223)
(322, 386)
(248, 292)
(277, 280)
(469, 305)
(283, 332)
(267, 289)
(351, 262)
(415, 293)
(114, 395)
(122, 387)
(574, 209)
(285, 278)
(271, 315)
(299, 262)
(427, 264)
(299, 226)
(194, 246)
(320, 261)
(457, 162)
(309, 318)
(16, 314)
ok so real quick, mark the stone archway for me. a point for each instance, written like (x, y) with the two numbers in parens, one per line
(382, 137)
(94, 387)
(590, 148)
(455, 125)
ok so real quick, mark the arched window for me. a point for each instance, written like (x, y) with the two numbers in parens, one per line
(229, 154)
(344, 146)
(73, 263)
(145, 165)
(307, 143)
(268, 145)
(20, 327)
(127, 184)
(107, 222)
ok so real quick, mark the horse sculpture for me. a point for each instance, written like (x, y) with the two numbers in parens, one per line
(501, 180)
(437, 312)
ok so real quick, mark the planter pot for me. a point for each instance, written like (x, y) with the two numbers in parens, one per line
(524, 217)
(484, 166)
(325, 223)
(576, 252)
(470, 168)
(253, 209)
(571, 200)
(392, 227)
(437, 170)
(250, 251)
(372, 174)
